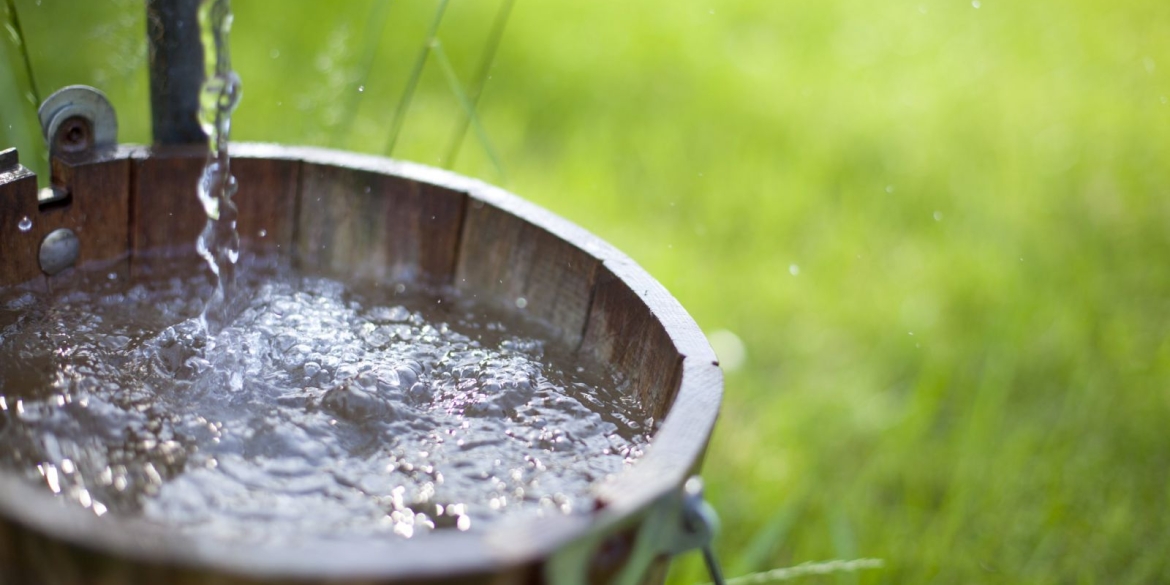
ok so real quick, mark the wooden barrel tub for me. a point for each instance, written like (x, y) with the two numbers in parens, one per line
(357, 217)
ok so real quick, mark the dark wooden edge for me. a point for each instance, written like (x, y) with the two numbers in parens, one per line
(674, 454)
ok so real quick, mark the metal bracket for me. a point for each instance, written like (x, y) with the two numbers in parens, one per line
(622, 555)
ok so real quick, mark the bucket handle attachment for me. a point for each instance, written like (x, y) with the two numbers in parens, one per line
(622, 554)
(76, 120)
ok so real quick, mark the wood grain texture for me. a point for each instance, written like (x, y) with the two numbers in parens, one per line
(626, 334)
(365, 225)
(267, 202)
(167, 216)
(507, 261)
(98, 209)
(18, 200)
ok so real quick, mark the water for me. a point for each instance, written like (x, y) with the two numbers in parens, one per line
(320, 411)
(219, 244)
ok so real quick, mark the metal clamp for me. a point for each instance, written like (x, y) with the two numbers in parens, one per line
(622, 554)
(701, 524)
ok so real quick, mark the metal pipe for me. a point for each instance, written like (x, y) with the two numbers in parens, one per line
(176, 70)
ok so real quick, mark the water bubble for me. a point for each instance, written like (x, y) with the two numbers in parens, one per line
(521, 303)
(25, 224)
(275, 53)
(263, 233)
(793, 269)
(938, 216)
(889, 188)
(976, 4)
(361, 88)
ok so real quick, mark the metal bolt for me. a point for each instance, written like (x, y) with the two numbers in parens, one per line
(75, 134)
(59, 251)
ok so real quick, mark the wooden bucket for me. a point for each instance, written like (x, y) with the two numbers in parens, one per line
(363, 217)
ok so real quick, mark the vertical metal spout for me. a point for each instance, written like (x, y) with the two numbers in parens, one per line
(176, 70)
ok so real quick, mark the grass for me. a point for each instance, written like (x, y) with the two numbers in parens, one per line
(969, 375)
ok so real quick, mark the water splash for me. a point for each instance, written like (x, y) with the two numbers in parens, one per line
(323, 410)
(219, 244)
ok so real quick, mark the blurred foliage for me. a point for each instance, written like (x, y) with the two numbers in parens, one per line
(967, 376)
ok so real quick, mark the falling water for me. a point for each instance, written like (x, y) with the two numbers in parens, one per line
(219, 243)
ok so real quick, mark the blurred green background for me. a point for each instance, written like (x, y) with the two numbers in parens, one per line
(940, 230)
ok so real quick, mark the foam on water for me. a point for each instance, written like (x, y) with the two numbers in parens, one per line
(320, 411)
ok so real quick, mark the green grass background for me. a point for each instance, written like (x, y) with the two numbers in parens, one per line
(969, 377)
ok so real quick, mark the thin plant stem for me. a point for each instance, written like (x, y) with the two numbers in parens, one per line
(468, 107)
(807, 569)
(481, 77)
(14, 20)
(412, 82)
(375, 25)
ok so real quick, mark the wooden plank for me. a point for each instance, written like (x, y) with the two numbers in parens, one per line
(367, 225)
(168, 217)
(98, 209)
(508, 261)
(623, 332)
(267, 202)
(18, 248)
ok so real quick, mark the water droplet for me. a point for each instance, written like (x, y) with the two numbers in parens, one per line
(793, 269)
(938, 216)
(521, 303)
(112, 276)
(361, 88)
(25, 224)
(263, 233)
(922, 8)
(889, 188)
(275, 53)
(976, 4)
(729, 348)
